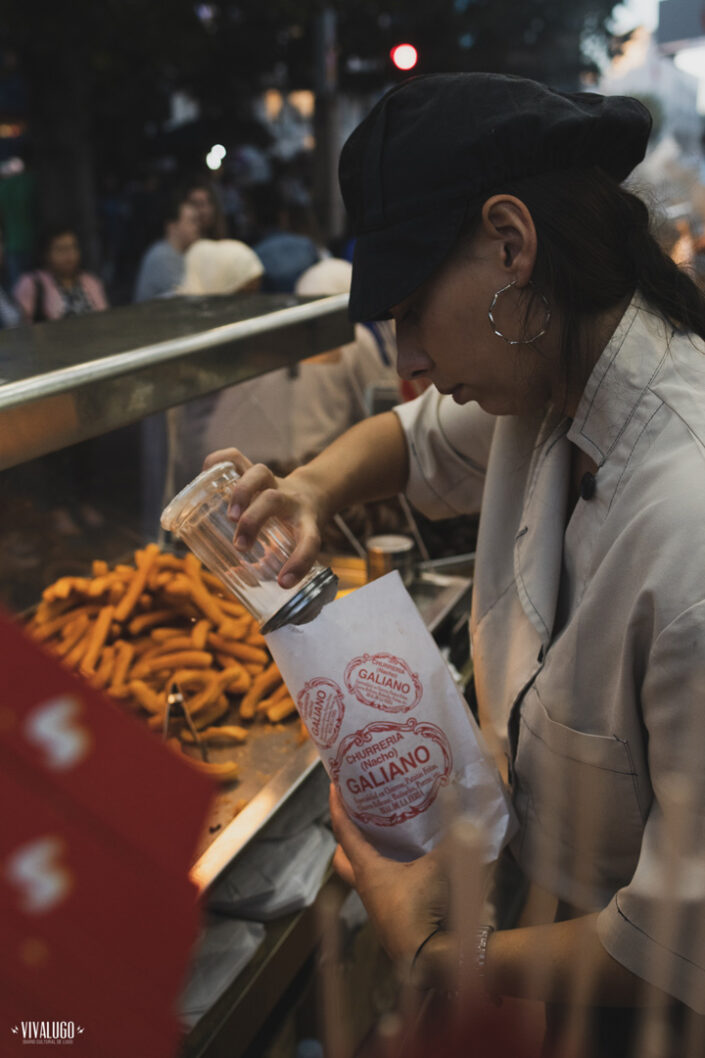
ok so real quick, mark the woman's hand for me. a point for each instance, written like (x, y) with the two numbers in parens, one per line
(405, 901)
(259, 495)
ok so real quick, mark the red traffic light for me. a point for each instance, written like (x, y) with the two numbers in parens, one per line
(404, 56)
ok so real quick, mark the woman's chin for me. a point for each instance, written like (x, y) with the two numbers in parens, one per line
(462, 395)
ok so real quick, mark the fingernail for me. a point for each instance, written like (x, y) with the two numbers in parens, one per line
(234, 512)
(288, 580)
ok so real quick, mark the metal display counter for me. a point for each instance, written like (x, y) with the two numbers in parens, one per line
(66, 381)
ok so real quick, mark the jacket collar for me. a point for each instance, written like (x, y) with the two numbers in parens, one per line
(626, 367)
(608, 406)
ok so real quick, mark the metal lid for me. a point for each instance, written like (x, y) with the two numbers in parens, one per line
(197, 491)
(307, 603)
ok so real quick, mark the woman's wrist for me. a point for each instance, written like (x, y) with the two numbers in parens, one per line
(435, 964)
(304, 482)
(432, 963)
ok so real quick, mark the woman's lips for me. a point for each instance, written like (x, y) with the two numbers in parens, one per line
(457, 392)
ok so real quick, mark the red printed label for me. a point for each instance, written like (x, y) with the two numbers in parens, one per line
(321, 706)
(390, 771)
(383, 681)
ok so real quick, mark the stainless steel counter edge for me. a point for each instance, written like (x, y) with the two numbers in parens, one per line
(63, 393)
(52, 383)
(254, 816)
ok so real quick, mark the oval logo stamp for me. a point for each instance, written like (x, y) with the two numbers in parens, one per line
(391, 771)
(322, 709)
(384, 682)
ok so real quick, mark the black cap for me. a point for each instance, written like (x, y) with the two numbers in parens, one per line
(434, 146)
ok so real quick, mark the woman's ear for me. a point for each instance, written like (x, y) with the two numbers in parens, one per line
(508, 223)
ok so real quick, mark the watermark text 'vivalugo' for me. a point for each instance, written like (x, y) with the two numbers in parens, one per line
(48, 1032)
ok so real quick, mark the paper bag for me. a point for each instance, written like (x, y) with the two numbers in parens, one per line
(390, 725)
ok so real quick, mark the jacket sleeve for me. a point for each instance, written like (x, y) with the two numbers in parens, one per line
(655, 926)
(449, 447)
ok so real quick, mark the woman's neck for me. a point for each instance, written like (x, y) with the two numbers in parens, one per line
(597, 338)
(67, 282)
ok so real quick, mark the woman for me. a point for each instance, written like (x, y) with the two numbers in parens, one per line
(60, 288)
(202, 195)
(567, 356)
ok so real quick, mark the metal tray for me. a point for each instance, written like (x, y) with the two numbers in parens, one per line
(274, 763)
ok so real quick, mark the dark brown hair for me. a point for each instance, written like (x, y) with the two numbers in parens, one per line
(595, 248)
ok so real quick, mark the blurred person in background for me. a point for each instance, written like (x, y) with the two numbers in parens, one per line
(364, 364)
(10, 314)
(222, 266)
(60, 287)
(212, 268)
(285, 417)
(162, 267)
(202, 195)
(283, 248)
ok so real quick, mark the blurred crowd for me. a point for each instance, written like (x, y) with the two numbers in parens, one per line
(199, 235)
(204, 234)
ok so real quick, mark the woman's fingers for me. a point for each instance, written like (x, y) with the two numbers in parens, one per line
(405, 901)
(308, 544)
(227, 455)
(258, 496)
(258, 500)
(343, 867)
(254, 481)
(251, 513)
(358, 851)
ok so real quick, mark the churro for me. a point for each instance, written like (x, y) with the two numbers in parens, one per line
(98, 635)
(261, 686)
(145, 560)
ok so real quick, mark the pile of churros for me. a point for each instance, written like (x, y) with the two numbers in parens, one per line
(136, 630)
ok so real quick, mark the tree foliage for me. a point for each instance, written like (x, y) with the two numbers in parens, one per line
(118, 61)
(100, 75)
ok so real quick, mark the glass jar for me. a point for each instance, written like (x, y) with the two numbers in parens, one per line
(198, 515)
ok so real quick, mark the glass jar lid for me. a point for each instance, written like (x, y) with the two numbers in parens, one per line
(307, 603)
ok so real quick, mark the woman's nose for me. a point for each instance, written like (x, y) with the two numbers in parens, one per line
(412, 361)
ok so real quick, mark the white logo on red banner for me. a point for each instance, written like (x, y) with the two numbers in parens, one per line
(54, 728)
(36, 871)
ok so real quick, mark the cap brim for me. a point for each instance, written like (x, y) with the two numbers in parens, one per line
(390, 264)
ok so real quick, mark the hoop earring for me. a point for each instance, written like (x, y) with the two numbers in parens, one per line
(517, 341)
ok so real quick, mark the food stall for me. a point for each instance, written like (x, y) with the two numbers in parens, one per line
(104, 377)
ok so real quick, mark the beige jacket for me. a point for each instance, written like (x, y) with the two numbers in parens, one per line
(598, 718)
